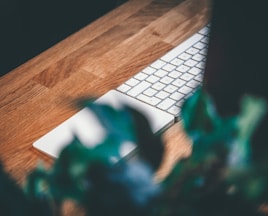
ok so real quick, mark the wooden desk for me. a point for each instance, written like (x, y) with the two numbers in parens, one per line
(40, 94)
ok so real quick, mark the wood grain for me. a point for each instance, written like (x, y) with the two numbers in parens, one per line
(41, 93)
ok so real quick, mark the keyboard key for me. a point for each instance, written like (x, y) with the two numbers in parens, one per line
(185, 90)
(190, 63)
(176, 61)
(204, 40)
(193, 83)
(158, 64)
(166, 80)
(204, 31)
(149, 70)
(180, 103)
(165, 104)
(187, 77)
(185, 56)
(175, 74)
(178, 82)
(158, 86)
(188, 95)
(169, 67)
(161, 73)
(182, 68)
(141, 76)
(123, 88)
(192, 51)
(203, 51)
(199, 78)
(200, 45)
(170, 88)
(201, 65)
(132, 82)
(152, 79)
(150, 92)
(138, 88)
(150, 100)
(195, 71)
(174, 110)
(177, 96)
(198, 57)
(162, 95)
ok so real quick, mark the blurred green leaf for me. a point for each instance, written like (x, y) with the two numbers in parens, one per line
(127, 125)
(37, 190)
(67, 175)
(199, 115)
(37, 183)
(117, 122)
(220, 156)
(252, 111)
(211, 134)
(147, 140)
(108, 151)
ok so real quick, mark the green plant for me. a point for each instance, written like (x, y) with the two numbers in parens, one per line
(219, 178)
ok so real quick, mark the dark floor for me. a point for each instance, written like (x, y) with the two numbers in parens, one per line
(29, 27)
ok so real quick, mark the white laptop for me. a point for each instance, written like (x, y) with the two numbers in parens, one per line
(157, 91)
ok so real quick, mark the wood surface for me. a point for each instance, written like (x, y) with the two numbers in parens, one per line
(40, 94)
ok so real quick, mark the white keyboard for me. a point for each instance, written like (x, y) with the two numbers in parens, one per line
(168, 81)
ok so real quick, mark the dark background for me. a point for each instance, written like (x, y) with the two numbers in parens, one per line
(237, 60)
(29, 27)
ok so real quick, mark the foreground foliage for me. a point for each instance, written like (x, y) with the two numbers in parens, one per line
(219, 178)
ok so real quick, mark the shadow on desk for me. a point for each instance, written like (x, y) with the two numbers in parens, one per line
(29, 27)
